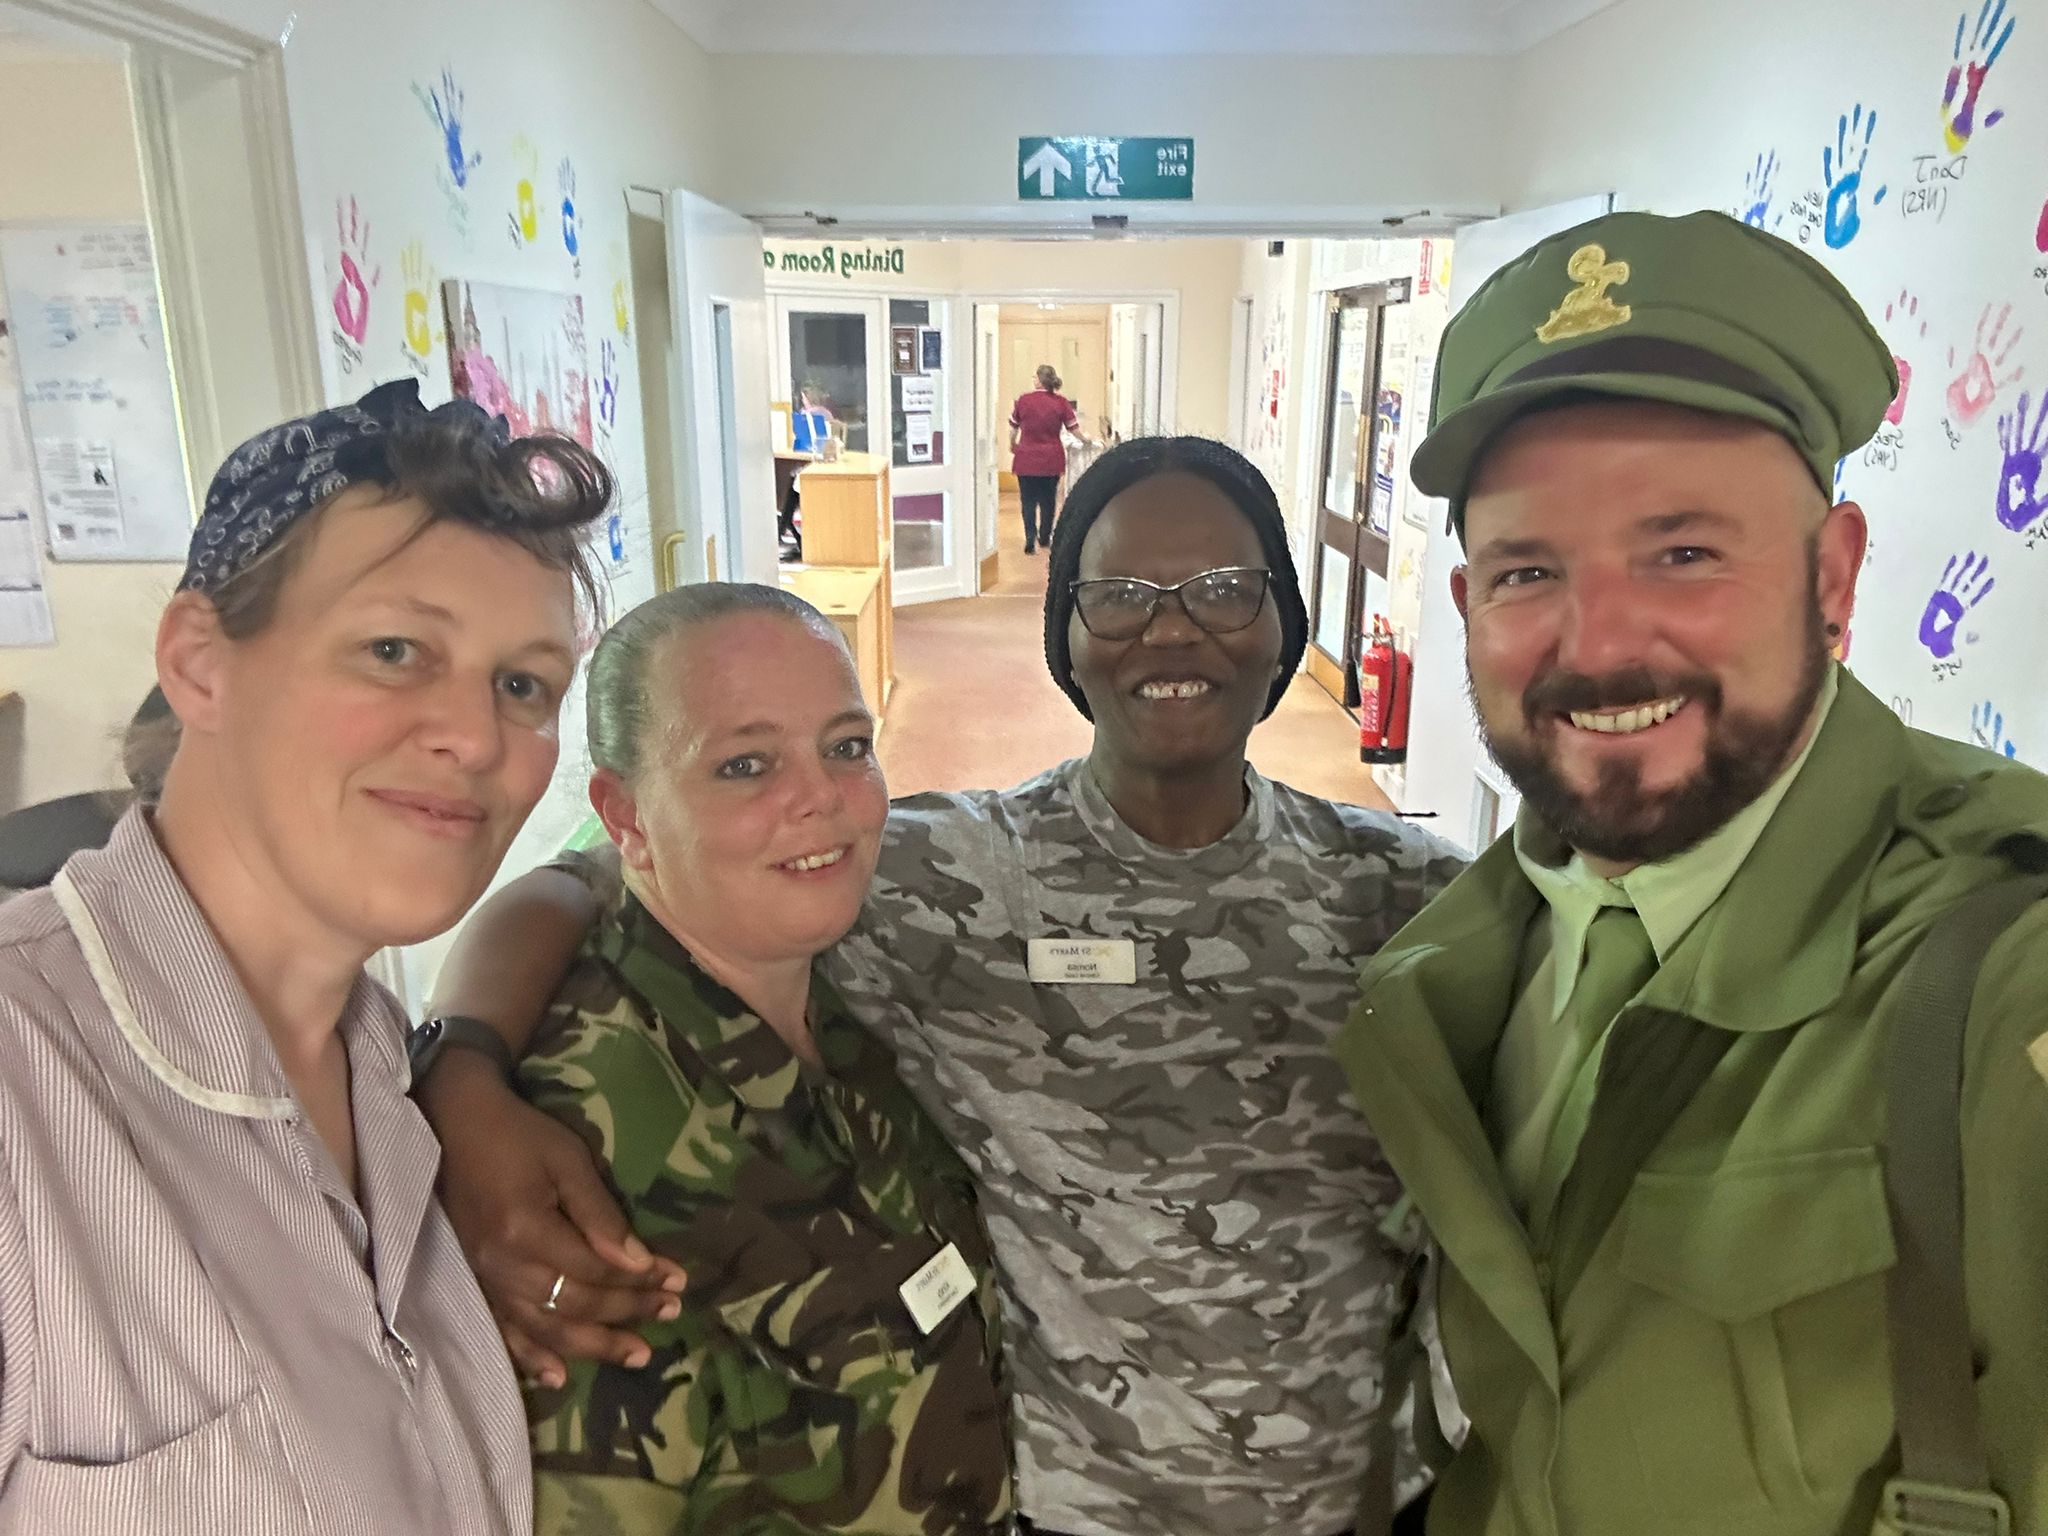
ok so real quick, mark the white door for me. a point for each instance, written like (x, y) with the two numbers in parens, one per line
(1449, 770)
(931, 448)
(1137, 335)
(991, 421)
(727, 473)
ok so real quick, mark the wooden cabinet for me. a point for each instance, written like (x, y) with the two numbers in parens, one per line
(846, 517)
(851, 597)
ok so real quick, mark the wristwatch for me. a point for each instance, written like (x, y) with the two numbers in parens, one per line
(424, 1045)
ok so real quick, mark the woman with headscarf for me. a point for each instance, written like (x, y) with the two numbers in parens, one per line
(228, 1300)
(1114, 986)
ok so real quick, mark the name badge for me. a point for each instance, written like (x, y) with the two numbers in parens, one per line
(1109, 962)
(934, 1291)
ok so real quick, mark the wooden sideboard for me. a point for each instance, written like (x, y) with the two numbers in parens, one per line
(851, 597)
(847, 523)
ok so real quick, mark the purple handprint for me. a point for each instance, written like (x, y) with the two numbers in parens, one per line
(1965, 582)
(2022, 496)
(608, 384)
(1966, 74)
(445, 107)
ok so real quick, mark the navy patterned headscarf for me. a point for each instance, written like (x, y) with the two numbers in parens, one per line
(279, 475)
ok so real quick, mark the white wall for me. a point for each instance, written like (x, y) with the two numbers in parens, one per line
(1691, 101)
(70, 155)
(832, 134)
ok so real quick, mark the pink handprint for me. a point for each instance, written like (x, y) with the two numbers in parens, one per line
(352, 293)
(1973, 390)
(1907, 309)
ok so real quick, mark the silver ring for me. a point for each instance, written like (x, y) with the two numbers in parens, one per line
(555, 1295)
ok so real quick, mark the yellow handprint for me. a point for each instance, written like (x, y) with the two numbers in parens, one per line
(526, 218)
(619, 314)
(419, 285)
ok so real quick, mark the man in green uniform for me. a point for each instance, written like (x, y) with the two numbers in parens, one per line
(1632, 1065)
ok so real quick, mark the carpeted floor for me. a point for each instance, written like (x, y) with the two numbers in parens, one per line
(974, 706)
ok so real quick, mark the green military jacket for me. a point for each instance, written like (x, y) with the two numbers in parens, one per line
(796, 1393)
(1719, 1365)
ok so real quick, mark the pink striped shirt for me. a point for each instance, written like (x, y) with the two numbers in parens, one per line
(202, 1332)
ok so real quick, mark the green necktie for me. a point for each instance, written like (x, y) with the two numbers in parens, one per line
(1619, 960)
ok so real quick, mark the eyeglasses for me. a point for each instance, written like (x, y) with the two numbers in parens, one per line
(1123, 607)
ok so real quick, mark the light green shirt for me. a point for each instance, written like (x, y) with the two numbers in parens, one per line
(1540, 1057)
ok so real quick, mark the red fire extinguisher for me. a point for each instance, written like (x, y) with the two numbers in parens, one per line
(1384, 675)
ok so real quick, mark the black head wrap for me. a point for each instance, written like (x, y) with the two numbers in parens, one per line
(281, 474)
(1140, 458)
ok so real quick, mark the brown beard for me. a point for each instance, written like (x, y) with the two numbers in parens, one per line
(1618, 819)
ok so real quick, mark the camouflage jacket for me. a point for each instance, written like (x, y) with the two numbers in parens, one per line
(795, 1393)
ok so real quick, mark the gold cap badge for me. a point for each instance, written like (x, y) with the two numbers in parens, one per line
(1587, 308)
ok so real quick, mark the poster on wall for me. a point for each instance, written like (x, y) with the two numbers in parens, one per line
(920, 393)
(903, 348)
(95, 380)
(931, 350)
(518, 353)
(1386, 445)
(917, 437)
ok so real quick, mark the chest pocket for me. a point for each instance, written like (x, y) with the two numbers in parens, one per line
(228, 1475)
(1764, 1331)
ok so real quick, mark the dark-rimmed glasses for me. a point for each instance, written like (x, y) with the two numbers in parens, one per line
(1219, 601)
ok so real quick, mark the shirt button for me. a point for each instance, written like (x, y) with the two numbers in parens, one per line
(400, 1353)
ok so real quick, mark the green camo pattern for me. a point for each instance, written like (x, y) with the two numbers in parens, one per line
(794, 1394)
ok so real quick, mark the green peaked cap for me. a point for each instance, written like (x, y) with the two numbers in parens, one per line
(1699, 310)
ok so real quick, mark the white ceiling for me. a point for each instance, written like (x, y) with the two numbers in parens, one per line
(1125, 27)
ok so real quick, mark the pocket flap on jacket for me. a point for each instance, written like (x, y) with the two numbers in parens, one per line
(1751, 1237)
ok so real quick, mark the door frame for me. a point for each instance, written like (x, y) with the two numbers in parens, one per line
(1365, 551)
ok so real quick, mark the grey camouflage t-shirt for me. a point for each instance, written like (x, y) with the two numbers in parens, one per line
(1186, 1208)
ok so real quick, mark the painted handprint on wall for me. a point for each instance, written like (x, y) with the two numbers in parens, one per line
(358, 274)
(1900, 316)
(1842, 169)
(1972, 390)
(525, 202)
(1959, 100)
(572, 221)
(1758, 191)
(607, 384)
(418, 274)
(622, 318)
(444, 106)
(2022, 493)
(1987, 729)
(1965, 582)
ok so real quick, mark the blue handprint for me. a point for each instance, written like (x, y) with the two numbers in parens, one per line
(1966, 75)
(1757, 190)
(2022, 495)
(615, 536)
(445, 107)
(1987, 729)
(1965, 583)
(572, 228)
(1845, 180)
(608, 383)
